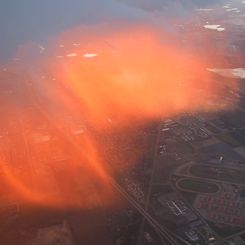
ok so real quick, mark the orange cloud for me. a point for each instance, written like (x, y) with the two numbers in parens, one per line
(114, 79)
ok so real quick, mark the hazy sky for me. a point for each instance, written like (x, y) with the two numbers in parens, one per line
(36, 20)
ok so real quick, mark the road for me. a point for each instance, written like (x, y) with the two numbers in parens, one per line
(148, 195)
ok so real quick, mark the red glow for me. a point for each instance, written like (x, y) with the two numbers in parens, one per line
(131, 76)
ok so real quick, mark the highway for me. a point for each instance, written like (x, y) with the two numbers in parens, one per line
(171, 237)
(148, 195)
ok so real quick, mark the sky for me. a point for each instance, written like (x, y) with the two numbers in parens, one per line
(32, 20)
